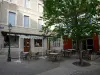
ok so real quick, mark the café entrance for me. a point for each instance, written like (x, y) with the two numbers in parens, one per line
(26, 45)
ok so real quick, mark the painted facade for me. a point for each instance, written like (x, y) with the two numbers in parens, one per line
(31, 8)
(88, 43)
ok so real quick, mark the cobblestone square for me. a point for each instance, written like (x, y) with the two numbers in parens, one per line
(45, 67)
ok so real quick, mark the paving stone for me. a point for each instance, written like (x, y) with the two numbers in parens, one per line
(45, 67)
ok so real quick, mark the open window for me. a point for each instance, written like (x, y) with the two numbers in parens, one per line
(38, 42)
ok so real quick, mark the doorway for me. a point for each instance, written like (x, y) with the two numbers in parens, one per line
(89, 43)
(26, 45)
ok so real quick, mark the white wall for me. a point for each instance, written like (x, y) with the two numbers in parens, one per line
(21, 45)
(14, 51)
(20, 12)
(56, 48)
(45, 44)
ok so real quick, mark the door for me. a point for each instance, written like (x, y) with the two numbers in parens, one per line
(96, 42)
(26, 45)
(68, 44)
(89, 43)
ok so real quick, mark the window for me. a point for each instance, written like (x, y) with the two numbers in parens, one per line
(12, 18)
(27, 3)
(38, 42)
(26, 21)
(14, 41)
(40, 8)
(56, 43)
(40, 23)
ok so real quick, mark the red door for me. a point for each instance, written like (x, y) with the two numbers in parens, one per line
(96, 42)
(26, 45)
(68, 44)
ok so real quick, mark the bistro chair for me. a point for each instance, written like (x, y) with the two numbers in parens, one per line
(60, 55)
(36, 55)
(32, 55)
(23, 55)
(29, 55)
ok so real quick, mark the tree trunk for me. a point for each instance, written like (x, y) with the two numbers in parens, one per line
(79, 48)
(80, 53)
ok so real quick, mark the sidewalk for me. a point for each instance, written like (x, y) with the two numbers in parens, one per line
(67, 68)
(45, 67)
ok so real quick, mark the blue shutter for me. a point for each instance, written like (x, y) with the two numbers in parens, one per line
(26, 21)
(12, 18)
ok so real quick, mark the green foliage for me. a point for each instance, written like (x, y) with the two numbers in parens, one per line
(74, 18)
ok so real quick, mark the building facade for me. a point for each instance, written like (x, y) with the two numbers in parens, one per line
(25, 18)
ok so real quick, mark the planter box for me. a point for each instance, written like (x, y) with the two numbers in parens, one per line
(93, 57)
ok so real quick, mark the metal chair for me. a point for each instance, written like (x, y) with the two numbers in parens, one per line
(36, 55)
(23, 55)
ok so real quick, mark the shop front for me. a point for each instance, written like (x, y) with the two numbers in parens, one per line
(90, 46)
(22, 42)
(87, 43)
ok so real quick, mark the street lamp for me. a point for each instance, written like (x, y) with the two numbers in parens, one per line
(43, 46)
(9, 55)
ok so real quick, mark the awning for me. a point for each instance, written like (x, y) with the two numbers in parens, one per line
(4, 32)
(31, 37)
(25, 35)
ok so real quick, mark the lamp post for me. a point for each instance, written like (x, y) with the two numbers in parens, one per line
(9, 55)
(43, 46)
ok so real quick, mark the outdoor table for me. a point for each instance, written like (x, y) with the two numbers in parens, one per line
(48, 51)
(73, 50)
(67, 53)
(25, 52)
(89, 49)
(53, 53)
(54, 56)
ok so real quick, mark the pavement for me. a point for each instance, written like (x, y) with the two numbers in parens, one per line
(45, 67)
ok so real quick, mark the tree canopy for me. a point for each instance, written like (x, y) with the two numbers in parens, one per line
(75, 18)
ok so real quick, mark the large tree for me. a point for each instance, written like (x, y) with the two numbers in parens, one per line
(74, 18)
